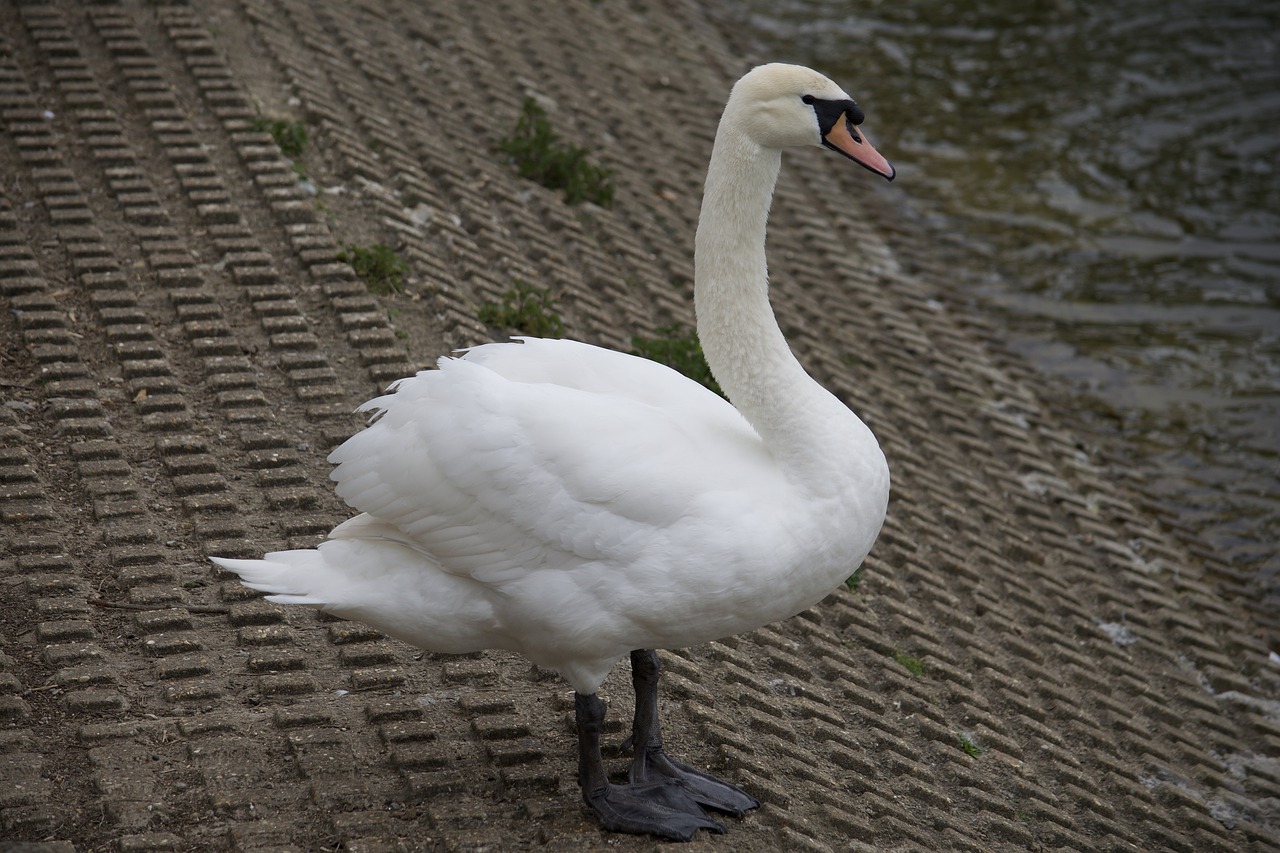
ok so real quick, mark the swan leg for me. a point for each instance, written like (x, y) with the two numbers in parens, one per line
(651, 762)
(661, 807)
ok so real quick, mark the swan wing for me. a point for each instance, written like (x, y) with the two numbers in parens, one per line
(542, 454)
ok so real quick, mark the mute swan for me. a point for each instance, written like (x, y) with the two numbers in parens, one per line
(577, 504)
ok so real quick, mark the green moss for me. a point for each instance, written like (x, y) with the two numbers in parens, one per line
(378, 266)
(527, 309)
(678, 348)
(969, 745)
(541, 156)
(291, 136)
(913, 665)
(854, 580)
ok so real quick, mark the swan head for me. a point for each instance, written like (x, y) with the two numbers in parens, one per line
(790, 106)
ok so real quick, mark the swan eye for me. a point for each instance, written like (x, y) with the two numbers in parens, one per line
(808, 99)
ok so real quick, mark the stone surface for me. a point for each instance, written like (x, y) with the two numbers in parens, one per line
(1032, 661)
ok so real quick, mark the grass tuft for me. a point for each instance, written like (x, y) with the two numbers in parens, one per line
(969, 745)
(378, 266)
(541, 156)
(291, 136)
(854, 580)
(527, 309)
(678, 348)
(913, 665)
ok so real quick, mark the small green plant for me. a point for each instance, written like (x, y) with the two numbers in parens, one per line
(541, 156)
(380, 268)
(291, 136)
(854, 580)
(678, 348)
(969, 745)
(913, 665)
(527, 309)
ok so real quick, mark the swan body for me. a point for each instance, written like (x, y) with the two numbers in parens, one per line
(576, 504)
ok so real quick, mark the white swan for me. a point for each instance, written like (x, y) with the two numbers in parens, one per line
(577, 504)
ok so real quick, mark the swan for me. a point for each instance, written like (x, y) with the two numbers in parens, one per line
(579, 505)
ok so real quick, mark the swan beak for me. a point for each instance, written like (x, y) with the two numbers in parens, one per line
(845, 138)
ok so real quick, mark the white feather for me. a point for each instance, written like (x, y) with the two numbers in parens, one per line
(574, 503)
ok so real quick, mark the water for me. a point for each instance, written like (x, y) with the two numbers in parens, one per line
(1110, 175)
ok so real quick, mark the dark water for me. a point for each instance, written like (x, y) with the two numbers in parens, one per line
(1110, 175)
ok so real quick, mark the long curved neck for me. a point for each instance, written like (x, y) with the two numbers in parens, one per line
(740, 336)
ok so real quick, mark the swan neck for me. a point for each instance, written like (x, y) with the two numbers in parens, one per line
(745, 349)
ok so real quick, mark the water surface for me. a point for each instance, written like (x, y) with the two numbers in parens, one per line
(1107, 172)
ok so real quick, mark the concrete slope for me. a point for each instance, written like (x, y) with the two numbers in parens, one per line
(1031, 661)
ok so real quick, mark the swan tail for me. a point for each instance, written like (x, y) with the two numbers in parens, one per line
(285, 575)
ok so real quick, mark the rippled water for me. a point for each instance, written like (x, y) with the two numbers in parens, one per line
(1109, 174)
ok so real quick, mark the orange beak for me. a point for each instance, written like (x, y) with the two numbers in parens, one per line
(845, 138)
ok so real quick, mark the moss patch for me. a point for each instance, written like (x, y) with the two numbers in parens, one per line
(541, 156)
(378, 266)
(527, 309)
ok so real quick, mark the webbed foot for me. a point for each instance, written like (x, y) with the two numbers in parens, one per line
(654, 765)
(661, 808)
(651, 762)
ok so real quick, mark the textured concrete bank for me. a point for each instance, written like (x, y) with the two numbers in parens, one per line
(180, 345)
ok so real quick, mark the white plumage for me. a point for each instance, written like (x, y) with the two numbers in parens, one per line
(573, 503)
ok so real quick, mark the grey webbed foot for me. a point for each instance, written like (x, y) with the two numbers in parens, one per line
(658, 808)
(651, 762)
(709, 792)
(663, 807)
